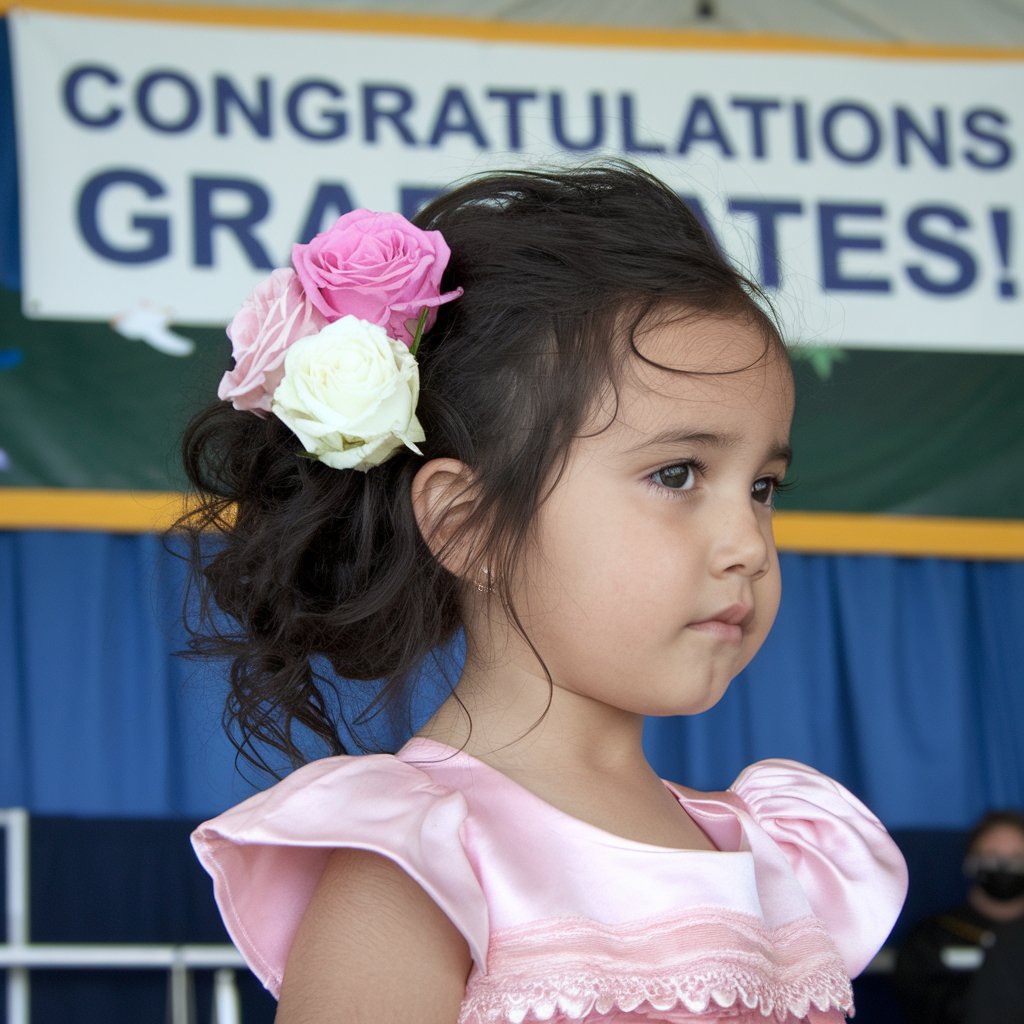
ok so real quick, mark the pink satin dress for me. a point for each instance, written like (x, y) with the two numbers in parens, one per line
(567, 922)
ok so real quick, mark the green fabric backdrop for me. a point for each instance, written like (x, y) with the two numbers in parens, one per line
(876, 431)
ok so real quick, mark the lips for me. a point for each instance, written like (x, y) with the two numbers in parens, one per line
(734, 615)
(726, 624)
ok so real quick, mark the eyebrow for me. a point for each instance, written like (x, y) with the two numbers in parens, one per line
(672, 438)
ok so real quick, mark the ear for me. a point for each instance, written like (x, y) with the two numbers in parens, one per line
(443, 498)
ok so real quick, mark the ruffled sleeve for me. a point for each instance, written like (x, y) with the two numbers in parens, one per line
(851, 871)
(267, 854)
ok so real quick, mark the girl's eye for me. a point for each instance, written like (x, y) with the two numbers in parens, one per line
(676, 478)
(764, 490)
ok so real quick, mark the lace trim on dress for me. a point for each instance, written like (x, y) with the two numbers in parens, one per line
(705, 962)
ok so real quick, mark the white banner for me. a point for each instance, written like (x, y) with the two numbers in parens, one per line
(880, 199)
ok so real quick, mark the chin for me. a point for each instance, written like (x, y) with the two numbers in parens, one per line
(692, 707)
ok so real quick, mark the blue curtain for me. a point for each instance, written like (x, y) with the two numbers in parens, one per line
(98, 715)
(899, 677)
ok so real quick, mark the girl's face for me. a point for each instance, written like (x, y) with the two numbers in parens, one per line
(652, 577)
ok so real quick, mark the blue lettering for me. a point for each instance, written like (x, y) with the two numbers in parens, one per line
(513, 100)
(630, 144)
(204, 194)
(155, 230)
(964, 264)
(702, 125)
(187, 92)
(757, 109)
(456, 117)
(330, 202)
(412, 198)
(830, 132)
(937, 144)
(110, 116)
(597, 127)
(697, 209)
(387, 103)
(333, 121)
(226, 97)
(975, 124)
(801, 137)
(834, 244)
(766, 213)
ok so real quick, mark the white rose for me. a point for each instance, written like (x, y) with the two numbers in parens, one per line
(349, 394)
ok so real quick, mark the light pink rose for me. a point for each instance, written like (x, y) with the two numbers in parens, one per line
(377, 267)
(276, 314)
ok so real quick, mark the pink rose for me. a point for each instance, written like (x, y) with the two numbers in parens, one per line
(377, 267)
(277, 313)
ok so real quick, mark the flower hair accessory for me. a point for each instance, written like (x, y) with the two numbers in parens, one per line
(328, 346)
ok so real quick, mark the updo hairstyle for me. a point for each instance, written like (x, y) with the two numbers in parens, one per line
(313, 567)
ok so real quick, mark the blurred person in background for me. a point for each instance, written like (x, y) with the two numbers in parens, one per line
(966, 966)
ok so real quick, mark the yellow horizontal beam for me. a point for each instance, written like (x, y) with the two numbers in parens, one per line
(72, 509)
(917, 536)
(491, 30)
(825, 532)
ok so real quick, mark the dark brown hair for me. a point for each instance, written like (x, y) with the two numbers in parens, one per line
(321, 576)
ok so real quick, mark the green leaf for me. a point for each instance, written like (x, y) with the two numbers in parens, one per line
(420, 324)
(821, 358)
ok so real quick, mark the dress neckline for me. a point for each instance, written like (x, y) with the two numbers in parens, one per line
(606, 838)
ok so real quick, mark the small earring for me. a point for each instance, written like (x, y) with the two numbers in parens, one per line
(487, 587)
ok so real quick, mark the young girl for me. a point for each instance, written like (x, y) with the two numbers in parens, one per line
(551, 415)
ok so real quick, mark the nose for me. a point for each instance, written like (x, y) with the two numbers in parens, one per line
(744, 542)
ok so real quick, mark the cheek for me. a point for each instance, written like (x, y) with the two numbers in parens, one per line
(768, 596)
(576, 576)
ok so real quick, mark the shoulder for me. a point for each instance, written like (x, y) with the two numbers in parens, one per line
(371, 798)
(404, 959)
(803, 809)
(850, 869)
(268, 854)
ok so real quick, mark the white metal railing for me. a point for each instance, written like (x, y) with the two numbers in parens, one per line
(18, 955)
